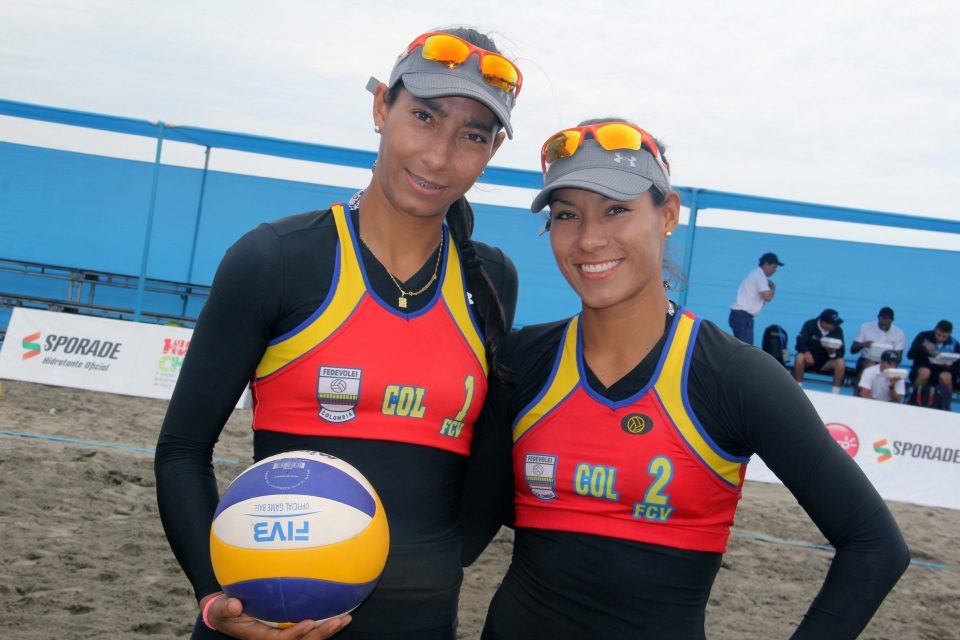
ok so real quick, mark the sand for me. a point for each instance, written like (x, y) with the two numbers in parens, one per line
(84, 556)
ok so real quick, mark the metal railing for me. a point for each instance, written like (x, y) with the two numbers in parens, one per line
(81, 287)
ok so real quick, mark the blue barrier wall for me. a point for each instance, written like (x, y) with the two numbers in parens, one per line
(83, 210)
(853, 277)
(90, 211)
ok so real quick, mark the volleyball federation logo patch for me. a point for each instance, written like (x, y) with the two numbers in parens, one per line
(338, 390)
(540, 472)
(636, 424)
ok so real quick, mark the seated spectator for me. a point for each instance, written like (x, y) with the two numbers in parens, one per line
(882, 331)
(924, 351)
(875, 384)
(813, 355)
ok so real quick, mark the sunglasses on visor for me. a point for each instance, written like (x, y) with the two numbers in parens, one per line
(609, 135)
(451, 52)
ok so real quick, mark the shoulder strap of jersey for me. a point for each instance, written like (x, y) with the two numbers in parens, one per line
(454, 291)
(346, 290)
(671, 388)
(563, 380)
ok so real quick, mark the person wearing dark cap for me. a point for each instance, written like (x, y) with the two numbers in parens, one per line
(874, 338)
(629, 427)
(390, 289)
(756, 290)
(934, 363)
(883, 381)
(820, 348)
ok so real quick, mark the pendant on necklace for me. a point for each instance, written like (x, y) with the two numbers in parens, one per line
(402, 302)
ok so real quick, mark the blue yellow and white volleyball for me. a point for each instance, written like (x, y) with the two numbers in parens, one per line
(299, 536)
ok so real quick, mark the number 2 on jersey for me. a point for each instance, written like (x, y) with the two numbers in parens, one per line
(656, 504)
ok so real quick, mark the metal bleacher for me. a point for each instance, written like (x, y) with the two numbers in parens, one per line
(20, 281)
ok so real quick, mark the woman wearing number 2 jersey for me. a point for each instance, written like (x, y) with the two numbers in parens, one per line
(631, 425)
(368, 330)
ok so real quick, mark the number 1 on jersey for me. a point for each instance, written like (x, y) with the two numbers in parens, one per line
(453, 426)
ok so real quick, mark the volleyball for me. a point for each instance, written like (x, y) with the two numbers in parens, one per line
(299, 536)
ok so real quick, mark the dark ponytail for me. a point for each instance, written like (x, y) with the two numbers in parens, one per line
(486, 303)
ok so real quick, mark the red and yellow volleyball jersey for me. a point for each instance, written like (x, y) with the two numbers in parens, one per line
(357, 368)
(640, 469)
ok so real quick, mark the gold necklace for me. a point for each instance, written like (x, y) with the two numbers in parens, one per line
(402, 300)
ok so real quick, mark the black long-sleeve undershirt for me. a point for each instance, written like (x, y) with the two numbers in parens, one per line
(267, 285)
(748, 404)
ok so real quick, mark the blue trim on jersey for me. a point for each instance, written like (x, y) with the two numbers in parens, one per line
(546, 387)
(689, 448)
(334, 283)
(617, 404)
(355, 235)
(688, 358)
(463, 335)
(553, 409)
(300, 357)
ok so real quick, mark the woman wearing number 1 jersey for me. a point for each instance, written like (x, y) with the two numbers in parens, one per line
(631, 425)
(368, 329)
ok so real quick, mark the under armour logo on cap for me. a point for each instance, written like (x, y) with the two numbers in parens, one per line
(630, 174)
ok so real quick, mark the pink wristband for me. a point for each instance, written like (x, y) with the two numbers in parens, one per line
(206, 610)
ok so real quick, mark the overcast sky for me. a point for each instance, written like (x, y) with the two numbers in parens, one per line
(854, 104)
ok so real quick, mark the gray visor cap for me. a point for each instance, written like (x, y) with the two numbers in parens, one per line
(622, 175)
(428, 79)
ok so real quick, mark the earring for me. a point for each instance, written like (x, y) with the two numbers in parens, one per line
(481, 173)
(376, 128)
(669, 233)
(667, 285)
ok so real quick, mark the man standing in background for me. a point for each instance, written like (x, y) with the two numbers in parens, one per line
(756, 290)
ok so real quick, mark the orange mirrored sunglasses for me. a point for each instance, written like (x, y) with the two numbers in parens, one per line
(609, 135)
(451, 51)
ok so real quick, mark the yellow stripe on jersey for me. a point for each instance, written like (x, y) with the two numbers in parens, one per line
(346, 295)
(455, 297)
(564, 380)
(669, 387)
